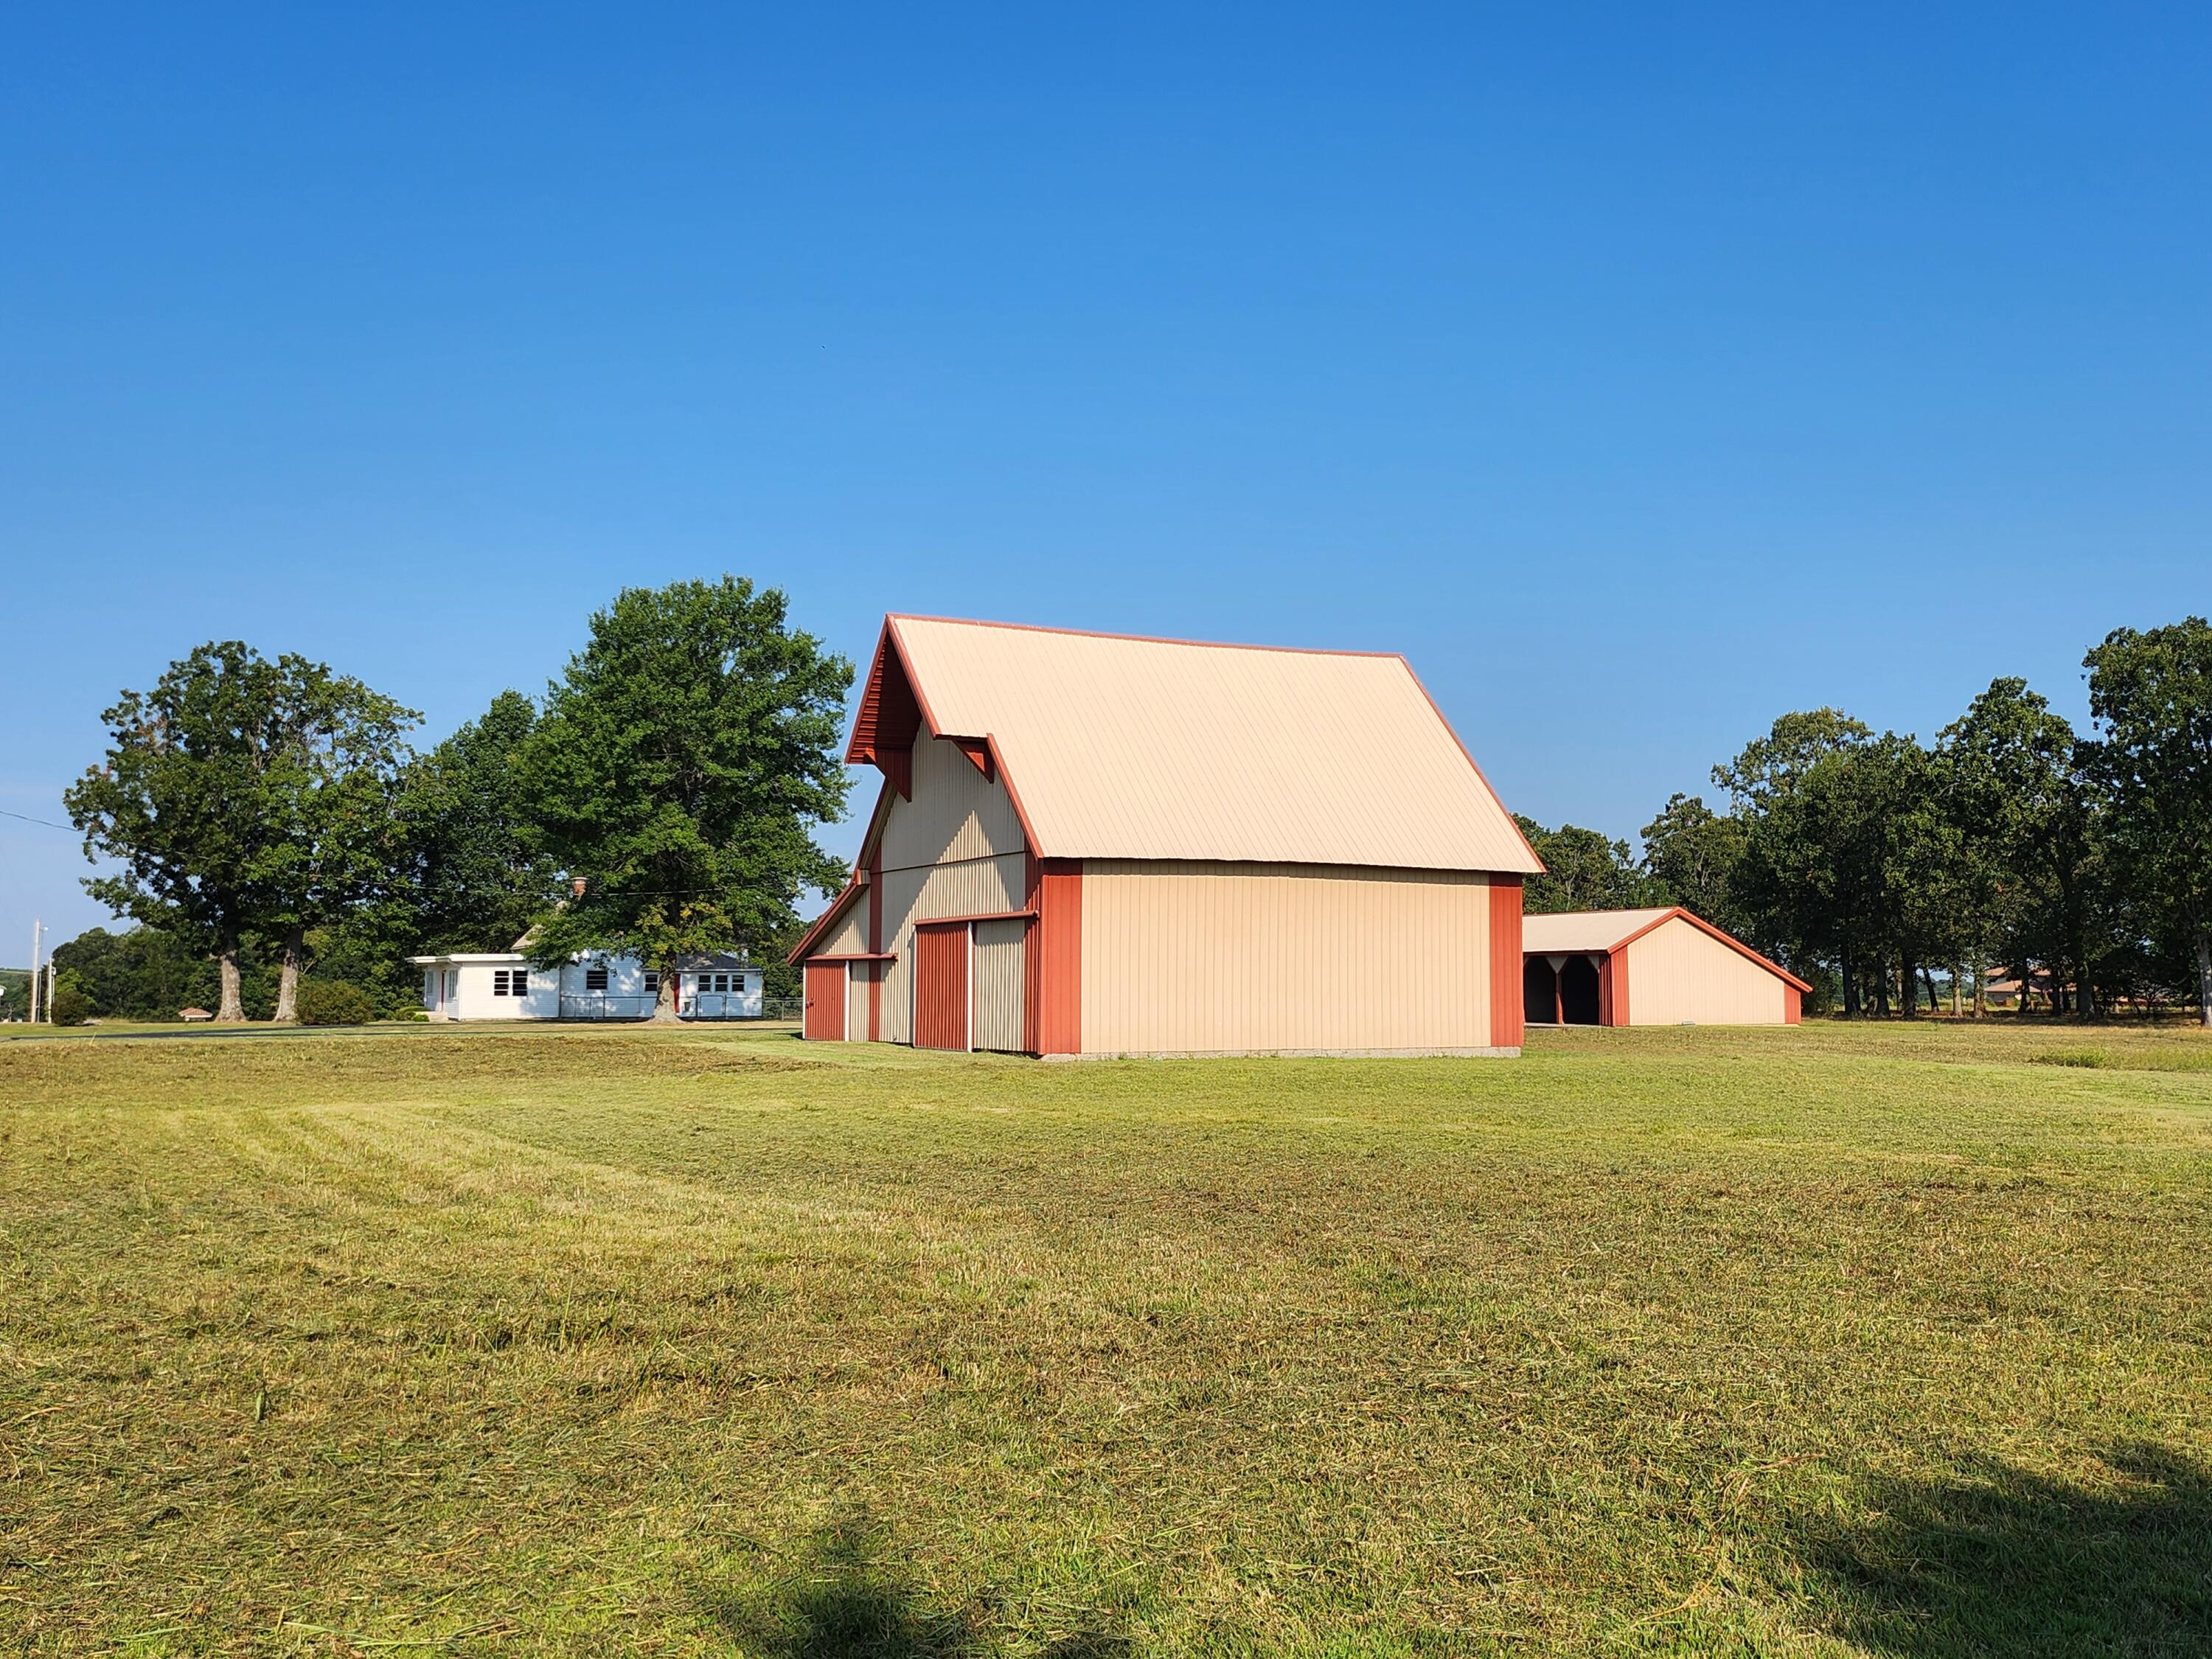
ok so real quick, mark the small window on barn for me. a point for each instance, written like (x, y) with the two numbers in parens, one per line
(595, 979)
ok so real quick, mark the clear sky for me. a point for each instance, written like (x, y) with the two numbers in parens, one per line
(1638, 372)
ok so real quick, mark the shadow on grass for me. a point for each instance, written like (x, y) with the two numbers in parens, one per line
(2004, 1562)
(843, 1601)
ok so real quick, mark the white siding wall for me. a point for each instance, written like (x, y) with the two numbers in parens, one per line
(1679, 975)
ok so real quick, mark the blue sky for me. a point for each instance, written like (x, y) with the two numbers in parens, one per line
(1638, 373)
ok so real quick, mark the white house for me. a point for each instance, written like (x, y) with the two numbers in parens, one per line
(502, 985)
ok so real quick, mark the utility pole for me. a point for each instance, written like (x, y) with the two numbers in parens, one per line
(31, 1011)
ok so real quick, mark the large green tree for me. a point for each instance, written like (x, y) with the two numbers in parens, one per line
(334, 836)
(1690, 856)
(2028, 875)
(681, 763)
(1583, 870)
(2151, 693)
(239, 795)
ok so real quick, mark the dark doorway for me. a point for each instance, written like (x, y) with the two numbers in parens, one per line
(1539, 1004)
(1578, 991)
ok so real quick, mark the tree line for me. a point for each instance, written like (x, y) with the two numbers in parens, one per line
(1868, 861)
(268, 819)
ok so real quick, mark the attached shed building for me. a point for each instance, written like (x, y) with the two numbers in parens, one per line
(1097, 845)
(1657, 967)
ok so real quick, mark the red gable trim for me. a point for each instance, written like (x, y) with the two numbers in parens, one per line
(1729, 939)
(828, 919)
(890, 716)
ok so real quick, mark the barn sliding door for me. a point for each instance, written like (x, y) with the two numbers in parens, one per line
(825, 1002)
(941, 1007)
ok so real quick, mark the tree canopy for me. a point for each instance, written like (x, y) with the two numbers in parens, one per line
(2151, 692)
(681, 763)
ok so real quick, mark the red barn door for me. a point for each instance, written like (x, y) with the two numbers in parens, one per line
(825, 1002)
(940, 986)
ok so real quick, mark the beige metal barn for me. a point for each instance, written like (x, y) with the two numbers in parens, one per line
(1655, 967)
(1098, 845)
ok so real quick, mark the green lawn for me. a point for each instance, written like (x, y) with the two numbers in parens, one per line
(1826, 1340)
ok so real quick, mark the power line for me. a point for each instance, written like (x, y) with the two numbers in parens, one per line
(27, 818)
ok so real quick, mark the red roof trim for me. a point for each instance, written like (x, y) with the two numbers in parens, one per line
(1140, 639)
(891, 693)
(1467, 756)
(822, 923)
(1729, 939)
(906, 668)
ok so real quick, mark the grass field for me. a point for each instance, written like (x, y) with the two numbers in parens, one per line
(1820, 1341)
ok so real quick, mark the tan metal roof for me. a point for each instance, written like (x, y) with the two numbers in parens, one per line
(1586, 930)
(1117, 747)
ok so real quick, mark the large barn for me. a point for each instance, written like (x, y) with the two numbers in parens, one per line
(1655, 967)
(1097, 845)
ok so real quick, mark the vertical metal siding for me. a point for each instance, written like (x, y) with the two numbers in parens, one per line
(940, 995)
(956, 813)
(1678, 974)
(977, 888)
(825, 987)
(999, 977)
(1203, 957)
(849, 937)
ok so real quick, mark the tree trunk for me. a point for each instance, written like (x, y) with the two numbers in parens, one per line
(229, 1009)
(1850, 989)
(1958, 973)
(1981, 987)
(287, 980)
(2204, 979)
(1908, 992)
(664, 1000)
(1928, 978)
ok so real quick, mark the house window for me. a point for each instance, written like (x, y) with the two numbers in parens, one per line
(595, 979)
(499, 982)
(653, 985)
(722, 982)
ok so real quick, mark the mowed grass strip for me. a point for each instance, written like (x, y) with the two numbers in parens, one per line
(1830, 1340)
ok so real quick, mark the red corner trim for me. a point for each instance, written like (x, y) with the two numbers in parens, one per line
(1616, 973)
(1506, 1014)
(876, 939)
(1055, 958)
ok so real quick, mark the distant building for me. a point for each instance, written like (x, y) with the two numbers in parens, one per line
(1655, 967)
(1094, 844)
(502, 985)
